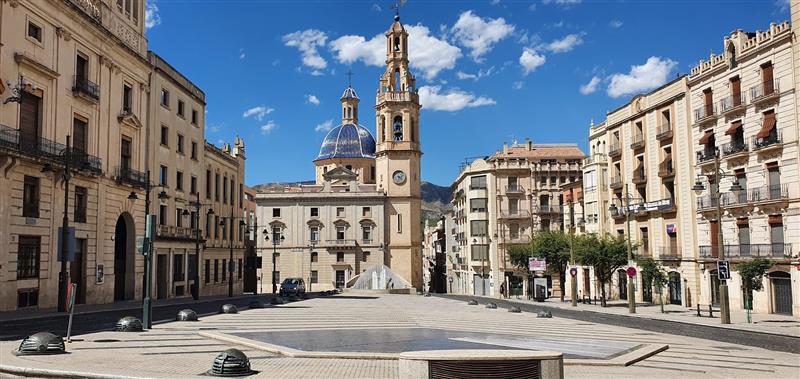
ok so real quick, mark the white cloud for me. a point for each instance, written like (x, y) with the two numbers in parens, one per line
(268, 127)
(562, 2)
(565, 44)
(590, 87)
(242, 55)
(494, 2)
(376, 7)
(426, 52)
(308, 41)
(651, 74)
(214, 127)
(480, 35)
(258, 112)
(464, 76)
(532, 7)
(453, 100)
(517, 85)
(312, 99)
(325, 126)
(481, 74)
(151, 16)
(531, 60)
(616, 24)
(783, 5)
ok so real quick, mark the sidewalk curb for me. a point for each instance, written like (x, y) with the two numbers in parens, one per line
(50, 373)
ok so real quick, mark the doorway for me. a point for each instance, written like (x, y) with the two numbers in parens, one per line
(674, 283)
(339, 278)
(622, 283)
(161, 277)
(480, 286)
(647, 290)
(714, 287)
(781, 292)
(124, 259)
(77, 271)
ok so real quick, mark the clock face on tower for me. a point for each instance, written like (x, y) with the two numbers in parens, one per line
(399, 177)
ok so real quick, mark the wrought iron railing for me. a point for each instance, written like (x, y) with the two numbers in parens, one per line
(614, 149)
(668, 252)
(664, 132)
(130, 176)
(53, 152)
(638, 141)
(704, 113)
(666, 168)
(516, 189)
(765, 90)
(734, 147)
(86, 87)
(744, 251)
(706, 155)
(732, 102)
(773, 138)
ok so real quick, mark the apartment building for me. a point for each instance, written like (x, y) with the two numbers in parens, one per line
(503, 200)
(458, 273)
(251, 259)
(225, 227)
(744, 125)
(76, 69)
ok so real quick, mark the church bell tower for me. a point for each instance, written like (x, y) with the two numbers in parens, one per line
(397, 158)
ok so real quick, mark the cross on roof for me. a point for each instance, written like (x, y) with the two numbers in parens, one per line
(350, 78)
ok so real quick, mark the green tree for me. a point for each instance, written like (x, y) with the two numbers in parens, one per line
(653, 273)
(752, 274)
(605, 254)
(552, 246)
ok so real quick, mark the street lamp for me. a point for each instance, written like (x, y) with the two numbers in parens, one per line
(484, 257)
(574, 287)
(196, 277)
(311, 246)
(63, 275)
(275, 242)
(231, 264)
(718, 174)
(627, 209)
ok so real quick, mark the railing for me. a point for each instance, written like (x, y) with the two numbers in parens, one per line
(471, 187)
(79, 215)
(176, 232)
(666, 169)
(84, 86)
(744, 251)
(597, 158)
(130, 176)
(704, 113)
(706, 202)
(643, 250)
(638, 141)
(90, 7)
(765, 90)
(614, 149)
(768, 193)
(668, 252)
(515, 213)
(706, 155)
(547, 208)
(664, 132)
(516, 189)
(639, 176)
(734, 147)
(366, 241)
(761, 143)
(732, 102)
(615, 182)
(11, 139)
(397, 96)
(341, 242)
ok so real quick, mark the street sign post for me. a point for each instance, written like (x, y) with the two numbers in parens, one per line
(631, 271)
(723, 270)
(573, 271)
(537, 264)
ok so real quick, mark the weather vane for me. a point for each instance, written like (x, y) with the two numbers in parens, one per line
(396, 6)
(349, 78)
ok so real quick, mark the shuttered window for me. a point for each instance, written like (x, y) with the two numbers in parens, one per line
(79, 135)
(30, 197)
(28, 255)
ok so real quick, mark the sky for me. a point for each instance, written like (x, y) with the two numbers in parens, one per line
(488, 71)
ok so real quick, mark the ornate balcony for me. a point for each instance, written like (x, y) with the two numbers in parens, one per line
(13, 142)
(768, 194)
(515, 214)
(732, 104)
(705, 114)
(668, 253)
(614, 150)
(639, 176)
(735, 149)
(666, 169)
(130, 176)
(748, 251)
(176, 232)
(765, 92)
(615, 183)
(774, 140)
(664, 133)
(515, 190)
(547, 208)
(86, 88)
(706, 155)
(638, 142)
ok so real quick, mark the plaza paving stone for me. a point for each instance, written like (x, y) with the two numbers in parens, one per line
(177, 350)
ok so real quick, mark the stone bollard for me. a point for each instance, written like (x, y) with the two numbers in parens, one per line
(491, 306)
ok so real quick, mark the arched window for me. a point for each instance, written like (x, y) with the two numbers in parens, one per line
(397, 128)
(382, 129)
(411, 129)
(349, 112)
(396, 79)
(396, 43)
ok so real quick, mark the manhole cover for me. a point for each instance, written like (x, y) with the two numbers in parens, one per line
(106, 340)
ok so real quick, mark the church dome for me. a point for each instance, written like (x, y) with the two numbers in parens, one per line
(347, 141)
(349, 93)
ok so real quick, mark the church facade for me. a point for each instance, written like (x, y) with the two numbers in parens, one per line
(360, 224)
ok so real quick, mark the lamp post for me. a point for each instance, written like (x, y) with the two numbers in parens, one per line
(574, 287)
(484, 257)
(231, 264)
(63, 275)
(147, 305)
(196, 277)
(718, 174)
(311, 245)
(627, 199)
(275, 242)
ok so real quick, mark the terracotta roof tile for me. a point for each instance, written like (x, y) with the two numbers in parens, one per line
(555, 151)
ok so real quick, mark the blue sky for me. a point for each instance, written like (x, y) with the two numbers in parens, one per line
(489, 71)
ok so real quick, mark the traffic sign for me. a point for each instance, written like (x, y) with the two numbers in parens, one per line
(573, 271)
(723, 270)
(631, 271)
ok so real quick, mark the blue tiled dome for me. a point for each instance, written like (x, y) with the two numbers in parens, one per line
(347, 141)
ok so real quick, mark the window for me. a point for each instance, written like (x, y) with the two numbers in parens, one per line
(372, 173)
(224, 190)
(349, 167)
(179, 181)
(340, 257)
(208, 184)
(314, 212)
(366, 212)
(365, 256)
(207, 278)
(28, 297)
(193, 220)
(193, 185)
(194, 150)
(477, 205)
(162, 214)
(340, 230)
(233, 196)
(80, 204)
(180, 143)
(30, 197)
(80, 137)
(399, 223)
(397, 128)
(224, 269)
(216, 270)
(239, 275)
(209, 220)
(164, 135)
(178, 217)
(34, 31)
(276, 234)
(314, 257)
(164, 98)
(477, 182)
(513, 231)
(313, 233)
(194, 117)
(479, 252)
(479, 227)
(366, 233)
(314, 276)
(81, 70)
(276, 212)
(180, 108)
(340, 212)
(127, 98)
(28, 254)
(177, 268)
(216, 187)
(163, 176)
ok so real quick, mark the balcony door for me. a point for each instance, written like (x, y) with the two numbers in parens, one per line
(125, 155)
(29, 122)
(713, 227)
(767, 78)
(774, 182)
(79, 136)
(708, 100)
(736, 92)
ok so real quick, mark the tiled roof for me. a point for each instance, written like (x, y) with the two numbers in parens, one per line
(541, 151)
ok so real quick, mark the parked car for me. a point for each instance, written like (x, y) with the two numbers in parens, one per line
(293, 286)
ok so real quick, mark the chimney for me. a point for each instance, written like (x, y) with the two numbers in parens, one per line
(528, 144)
(505, 148)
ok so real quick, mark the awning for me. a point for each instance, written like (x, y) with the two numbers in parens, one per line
(766, 128)
(734, 127)
(706, 137)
